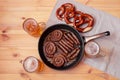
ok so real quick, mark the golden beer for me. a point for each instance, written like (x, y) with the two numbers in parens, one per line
(31, 26)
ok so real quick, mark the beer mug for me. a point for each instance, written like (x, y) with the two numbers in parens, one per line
(92, 49)
(32, 64)
(33, 28)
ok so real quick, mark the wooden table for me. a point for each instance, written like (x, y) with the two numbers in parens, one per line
(16, 44)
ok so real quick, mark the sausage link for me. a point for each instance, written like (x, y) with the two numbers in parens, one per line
(67, 48)
(70, 54)
(67, 38)
(75, 38)
(73, 56)
(69, 35)
(62, 48)
(67, 44)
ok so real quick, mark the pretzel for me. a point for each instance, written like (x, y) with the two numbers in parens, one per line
(60, 13)
(69, 12)
(88, 19)
(69, 15)
(64, 10)
(76, 18)
(68, 6)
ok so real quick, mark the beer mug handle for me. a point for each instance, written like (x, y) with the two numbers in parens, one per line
(42, 25)
(101, 54)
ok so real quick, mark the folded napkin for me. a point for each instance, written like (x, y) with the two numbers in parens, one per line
(109, 45)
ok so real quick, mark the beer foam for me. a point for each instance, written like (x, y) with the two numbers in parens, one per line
(31, 64)
(92, 48)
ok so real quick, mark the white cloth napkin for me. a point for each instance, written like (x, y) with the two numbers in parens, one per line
(109, 45)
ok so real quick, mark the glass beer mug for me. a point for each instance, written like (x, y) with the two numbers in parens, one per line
(33, 28)
(32, 64)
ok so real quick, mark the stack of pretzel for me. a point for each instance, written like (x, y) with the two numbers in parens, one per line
(70, 15)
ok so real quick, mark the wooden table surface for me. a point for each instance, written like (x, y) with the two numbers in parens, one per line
(16, 44)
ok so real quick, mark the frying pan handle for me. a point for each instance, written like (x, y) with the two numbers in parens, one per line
(88, 38)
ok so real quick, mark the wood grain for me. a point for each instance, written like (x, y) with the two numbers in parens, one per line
(26, 76)
(16, 44)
